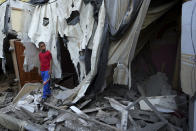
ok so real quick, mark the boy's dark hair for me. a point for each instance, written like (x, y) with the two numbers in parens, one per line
(41, 43)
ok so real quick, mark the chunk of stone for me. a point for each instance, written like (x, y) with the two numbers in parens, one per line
(165, 104)
(52, 113)
(51, 127)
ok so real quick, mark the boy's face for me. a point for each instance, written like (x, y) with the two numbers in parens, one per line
(43, 47)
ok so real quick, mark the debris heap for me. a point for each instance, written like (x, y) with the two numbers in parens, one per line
(117, 108)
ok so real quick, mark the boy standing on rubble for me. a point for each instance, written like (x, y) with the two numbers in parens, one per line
(45, 58)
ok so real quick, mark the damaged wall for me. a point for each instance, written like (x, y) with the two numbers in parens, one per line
(96, 35)
(188, 44)
(9, 17)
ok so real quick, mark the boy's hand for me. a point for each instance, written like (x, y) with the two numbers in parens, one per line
(45, 82)
(50, 72)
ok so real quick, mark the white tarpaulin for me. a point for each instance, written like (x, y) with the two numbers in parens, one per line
(120, 51)
(2, 35)
(156, 12)
(78, 34)
(95, 54)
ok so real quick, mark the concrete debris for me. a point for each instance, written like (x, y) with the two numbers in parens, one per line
(124, 112)
(64, 94)
(107, 118)
(27, 103)
(51, 127)
(30, 108)
(52, 113)
(61, 87)
(83, 122)
(7, 109)
(75, 126)
(85, 103)
(133, 123)
(3, 97)
(107, 112)
(85, 118)
(94, 109)
(151, 127)
(15, 124)
(144, 115)
(78, 111)
(157, 85)
(63, 117)
(32, 116)
(165, 104)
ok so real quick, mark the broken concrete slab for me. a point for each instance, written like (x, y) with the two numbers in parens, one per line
(133, 123)
(15, 124)
(165, 104)
(94, 109)
(61, 87)
(78, 111)
(172, 127)
(52, 113)
(150, 127)
(63, 95)
(85, 103)
(144, 115)
(75, 126)
(51, 127)
(124, 112)
(27, 88)
(102, 113)
(2, 97)
(141, 123)
(63, 117)
(85, 118)
(31, 108)
(106, 117)
(83, 122)
(157, 85)
(9, 108)
(32, 116)
(109, 120)
(124, 120)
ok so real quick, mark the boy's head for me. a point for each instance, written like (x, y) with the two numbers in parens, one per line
(42, 46)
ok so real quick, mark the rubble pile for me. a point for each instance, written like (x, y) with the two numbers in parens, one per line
(117, 108)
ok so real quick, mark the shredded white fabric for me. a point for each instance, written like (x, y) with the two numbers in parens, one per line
(78, 35)
(2, 36)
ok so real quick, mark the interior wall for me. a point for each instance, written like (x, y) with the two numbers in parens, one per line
(164, 49)
(159, 53)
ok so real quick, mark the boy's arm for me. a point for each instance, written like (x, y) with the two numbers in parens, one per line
(50, 71)
(39, 62)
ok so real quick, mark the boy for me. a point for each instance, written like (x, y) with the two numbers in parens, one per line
(45, 58)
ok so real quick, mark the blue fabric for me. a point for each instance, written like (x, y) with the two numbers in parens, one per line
(46, 89)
